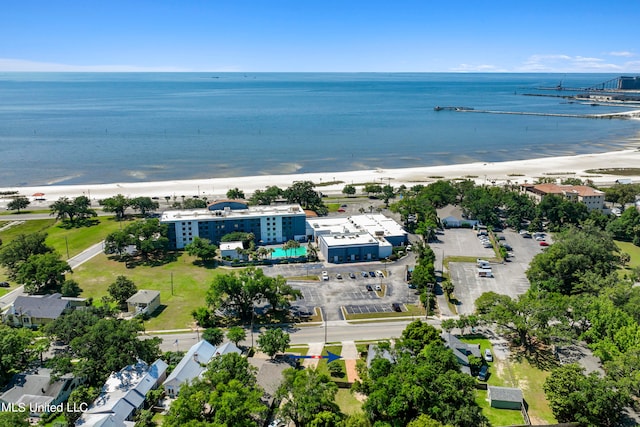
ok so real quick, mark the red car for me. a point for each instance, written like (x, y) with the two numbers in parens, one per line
(544, 244)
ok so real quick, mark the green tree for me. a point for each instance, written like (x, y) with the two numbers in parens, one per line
(74, 324)
(82, 396)
(418, 334)
(226, 394)
(14, 419)
(70, 288)
(117, 204)
(235, 334)
(235, 193)
(237, 292)
(117, 242)
(107, 346)
(213, 336)
(448, 324)
(203, 317)
(202, 248)
(303, 193)
(273, 341)
(14, 348)
(149, 236)
(589, 400)
(267, 196)
(18, 203)
(20, 249)
(388, 192)
(305, 394)
(41, 273)
(425, 421)
(574, 252)
(349, 190)
(144, 204)
(121, 290)
(372, 190)
(194, 204)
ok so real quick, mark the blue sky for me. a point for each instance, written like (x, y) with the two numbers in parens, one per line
(321, 35)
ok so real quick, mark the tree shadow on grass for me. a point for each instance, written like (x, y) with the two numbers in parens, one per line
(538, 355)
(81, 223)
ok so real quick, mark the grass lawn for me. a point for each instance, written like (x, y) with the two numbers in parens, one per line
(518, 372)
(190, 284)
(347, 402)
(498, 417)
(302, 351)
(632, 250)
(81, 238)
(28, 227)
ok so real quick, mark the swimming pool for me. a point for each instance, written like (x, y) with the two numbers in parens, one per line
(291, 253)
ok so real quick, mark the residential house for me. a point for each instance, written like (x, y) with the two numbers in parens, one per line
(123, 395)
(37, 391)
(143, 301)
(461, 351)
(194, 363)
(32, 311)
(504, 397)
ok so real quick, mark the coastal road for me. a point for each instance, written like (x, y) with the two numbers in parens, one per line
(336, 331)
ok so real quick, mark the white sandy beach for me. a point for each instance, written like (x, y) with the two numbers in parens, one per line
(490, 173)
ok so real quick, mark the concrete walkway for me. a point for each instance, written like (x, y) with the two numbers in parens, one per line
(350, 356)
(315, 349)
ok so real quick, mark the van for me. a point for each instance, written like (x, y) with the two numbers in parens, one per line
(482, 263)
(484, 373)
(485, 272)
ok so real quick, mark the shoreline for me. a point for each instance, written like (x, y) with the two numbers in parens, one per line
(493, 173)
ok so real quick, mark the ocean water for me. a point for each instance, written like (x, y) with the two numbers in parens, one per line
(73, 128)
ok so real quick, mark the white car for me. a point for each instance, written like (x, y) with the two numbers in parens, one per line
(488, 356)
(378, 288)
(379, 273)
(325, 275)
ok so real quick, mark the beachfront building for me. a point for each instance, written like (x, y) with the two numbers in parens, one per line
(269, 224)
(593, 199)
(356, 238)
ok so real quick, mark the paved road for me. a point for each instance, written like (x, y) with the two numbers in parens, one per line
(336, 331)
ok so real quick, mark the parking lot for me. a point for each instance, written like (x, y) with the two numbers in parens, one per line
(509, 277)
(334, 293)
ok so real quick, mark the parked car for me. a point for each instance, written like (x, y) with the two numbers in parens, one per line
(544, 243)
(378, 288)
(369, 288)
(372, 274)
(339, 276)
(364, 274)
(396, 307)
(488, 356)
(411, 286)
(343, 206)
(484, 373)
(4, 284)
(352, 275)
(379, 273)
(341, 210)
(325, 275)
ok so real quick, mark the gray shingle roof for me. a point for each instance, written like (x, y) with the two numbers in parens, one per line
(505, 394)
(42, 306)
(460, 349)
(143, 296)
(34, 387)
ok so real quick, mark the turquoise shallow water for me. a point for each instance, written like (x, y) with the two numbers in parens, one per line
(72, 128)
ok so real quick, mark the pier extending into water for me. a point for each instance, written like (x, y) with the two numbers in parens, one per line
(635, 114)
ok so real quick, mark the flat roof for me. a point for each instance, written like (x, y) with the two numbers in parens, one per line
(350, 239)
(251, 212)
(376, 224)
